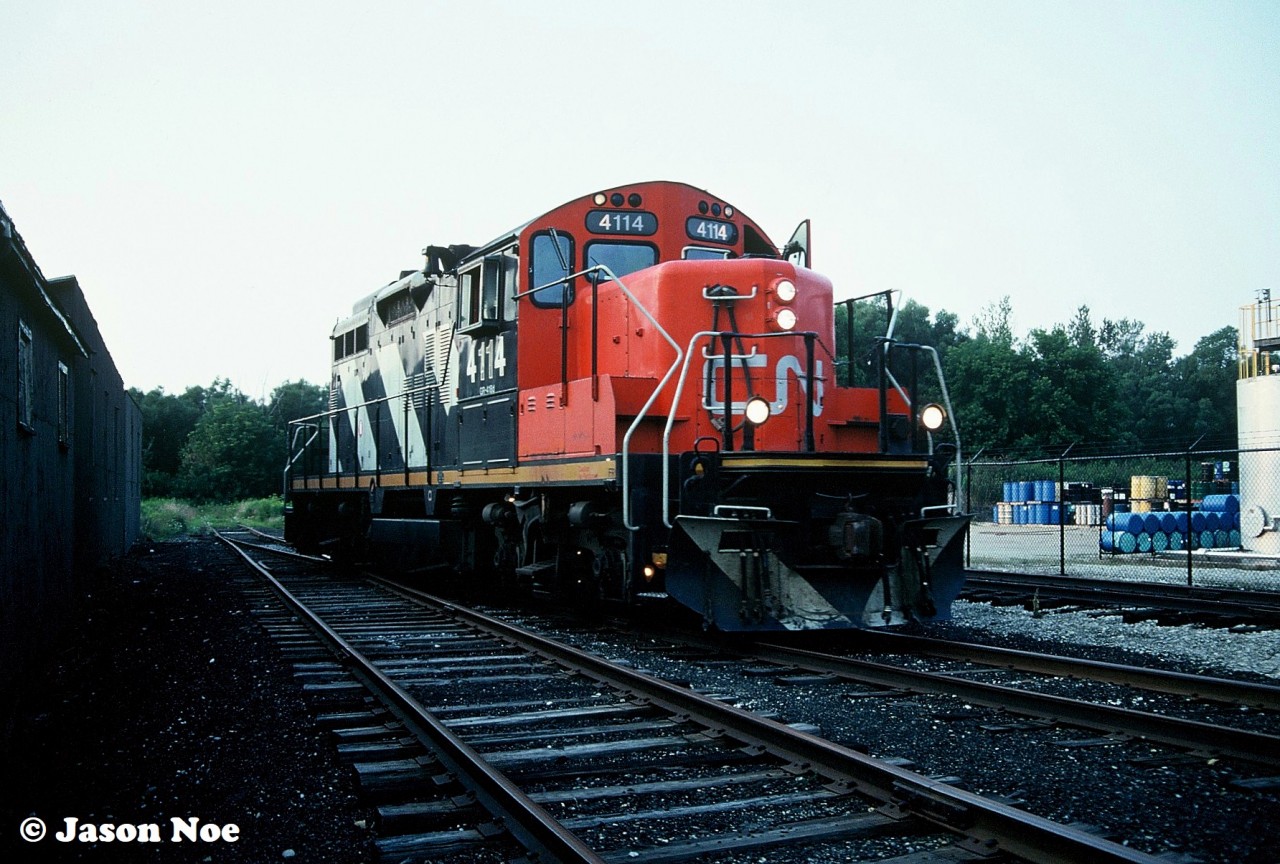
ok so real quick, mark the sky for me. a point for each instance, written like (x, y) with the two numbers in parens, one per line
(226, 179)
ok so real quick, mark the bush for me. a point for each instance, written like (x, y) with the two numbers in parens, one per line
(167, 518)
(170, 518)
(261, 513)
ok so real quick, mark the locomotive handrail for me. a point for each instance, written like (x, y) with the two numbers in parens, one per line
(413, 391)
(951, 418)
(893, 311)
(288, 465)
(644, 410)
(709, 296)
(728, 408)
(653, 397)
(946, 400)
(329, 414)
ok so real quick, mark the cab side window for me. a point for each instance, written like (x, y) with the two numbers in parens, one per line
(487, 290)
(549, 260)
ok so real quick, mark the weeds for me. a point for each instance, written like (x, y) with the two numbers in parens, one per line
(170, 518)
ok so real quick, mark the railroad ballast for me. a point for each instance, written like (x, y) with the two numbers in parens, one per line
(634, 397)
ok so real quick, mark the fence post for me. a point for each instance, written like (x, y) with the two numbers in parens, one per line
(1062, 511)
(1190, 531)
(968, 504)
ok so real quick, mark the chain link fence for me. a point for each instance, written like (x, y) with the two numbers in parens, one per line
(1199, 517)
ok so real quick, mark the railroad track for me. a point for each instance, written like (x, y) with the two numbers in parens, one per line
(1208, 738)
(501, 740)
(1168, 603)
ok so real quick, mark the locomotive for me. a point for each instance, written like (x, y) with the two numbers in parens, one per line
(634, 397)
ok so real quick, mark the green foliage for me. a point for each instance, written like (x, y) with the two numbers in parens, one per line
(166, 423)
(234, 452)
(990, 385)
(169, 518)
(1106, 385)
(214, 443)
(166, 518)
(295, 399)
(1207, 378)
(1110, 385)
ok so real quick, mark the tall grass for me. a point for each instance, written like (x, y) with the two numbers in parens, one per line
(170, 518)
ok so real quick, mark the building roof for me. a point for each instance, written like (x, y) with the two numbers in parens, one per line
(11, 244)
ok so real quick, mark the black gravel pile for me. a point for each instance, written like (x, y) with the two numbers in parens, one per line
(169, 701)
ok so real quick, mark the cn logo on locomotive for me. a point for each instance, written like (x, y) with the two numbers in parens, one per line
(788, 365)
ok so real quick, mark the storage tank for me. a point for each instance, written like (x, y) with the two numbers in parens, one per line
(1258, 416)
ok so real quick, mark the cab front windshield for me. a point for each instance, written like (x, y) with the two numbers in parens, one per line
(621, 258)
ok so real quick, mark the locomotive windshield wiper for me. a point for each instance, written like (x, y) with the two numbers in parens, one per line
(555, 243)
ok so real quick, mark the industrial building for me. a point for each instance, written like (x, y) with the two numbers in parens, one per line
(70, 452)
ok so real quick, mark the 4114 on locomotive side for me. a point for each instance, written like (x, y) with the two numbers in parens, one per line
(636, 397)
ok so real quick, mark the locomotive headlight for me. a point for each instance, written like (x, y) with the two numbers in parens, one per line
(785, 319)
(758, 410)
(932, 416)
(785, 291)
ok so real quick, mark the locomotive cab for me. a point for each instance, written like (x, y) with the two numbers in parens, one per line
(637, 397)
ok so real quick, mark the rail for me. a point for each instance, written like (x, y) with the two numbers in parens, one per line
(1226, 690)
(1192, 735)
(992, 825)
(535, 827)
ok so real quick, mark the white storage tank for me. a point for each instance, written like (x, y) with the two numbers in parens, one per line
(1258, 416)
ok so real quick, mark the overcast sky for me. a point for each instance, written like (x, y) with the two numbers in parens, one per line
(227, 178)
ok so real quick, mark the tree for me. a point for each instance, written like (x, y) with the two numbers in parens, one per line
(1208, 376)
(1150, 404)
(1072, 396)
(167, 422)
(990, 385)
(1083, 334)
(295, 399)
(1080, 383)
(233, 453)
(995, 322)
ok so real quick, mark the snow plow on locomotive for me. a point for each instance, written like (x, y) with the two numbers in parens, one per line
(632, 398)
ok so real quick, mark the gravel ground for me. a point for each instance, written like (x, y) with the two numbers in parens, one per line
(1188, 646)
(1175, 804)
(169, 701)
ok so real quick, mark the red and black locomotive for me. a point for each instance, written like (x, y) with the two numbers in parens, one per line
(632, 397)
